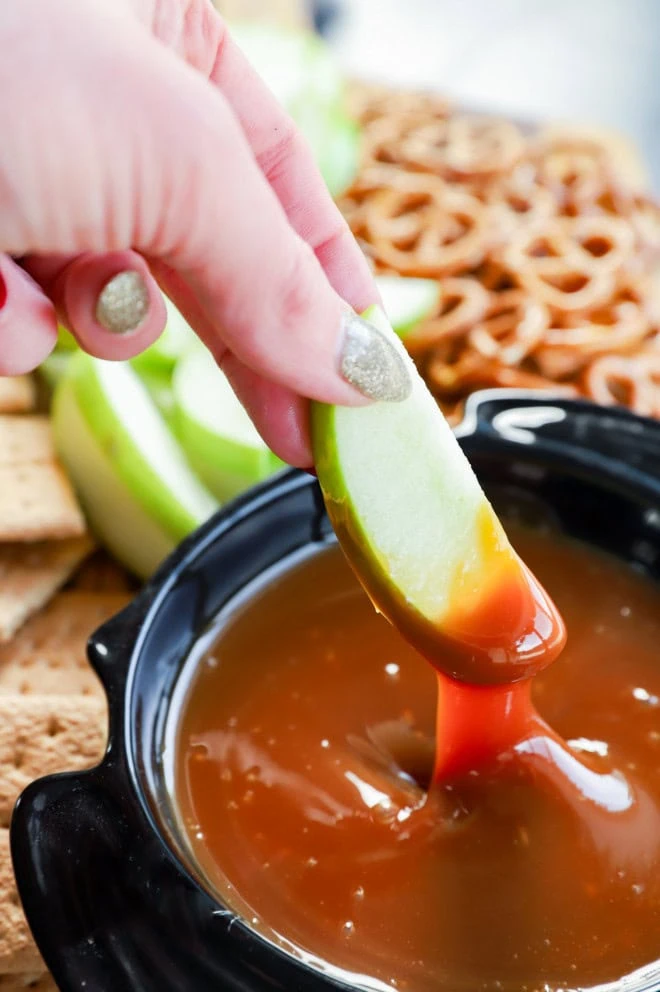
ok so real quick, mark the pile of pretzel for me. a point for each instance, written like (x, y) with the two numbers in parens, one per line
(545, 245)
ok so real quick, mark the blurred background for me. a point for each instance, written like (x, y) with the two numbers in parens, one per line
(582, 60)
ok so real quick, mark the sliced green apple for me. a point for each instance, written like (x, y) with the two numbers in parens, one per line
(338, 153)
(302, 74)
(394, 474)
(220, 441)
(407, 302)
(122, 525)
(159, 386)
(422, 537)
(177, 338)
(54, 367)
(137, 489)
(65, 339)
(295, 65)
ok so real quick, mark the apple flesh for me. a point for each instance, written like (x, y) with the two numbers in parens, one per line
(219, 439)
(136, 487)
(422, 537)
(407, 302)
(177, 339)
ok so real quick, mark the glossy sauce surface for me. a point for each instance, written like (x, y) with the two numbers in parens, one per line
(306, 747)
(499, 627)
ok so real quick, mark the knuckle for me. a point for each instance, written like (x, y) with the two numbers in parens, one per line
(274, 159)
(298, 289)
(192, 28)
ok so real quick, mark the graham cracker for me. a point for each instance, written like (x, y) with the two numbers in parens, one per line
(48, 655)
(40, 735)
(25, 440)
(18, 394)
(36, 498)
(31, 574)
(18, 952)
(37, 503)
(100, 573)
(27, 983)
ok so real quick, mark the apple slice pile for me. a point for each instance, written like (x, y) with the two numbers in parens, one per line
(220, 440)
(154, 446)
(135, 485)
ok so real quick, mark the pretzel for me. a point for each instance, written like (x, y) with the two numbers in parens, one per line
(425, 230)
(574, 178)
(632, 381)
(604, 242)
(514, 324)
(555, 271)
(562, 357)
(518, 199)
(462, 303)
(644, 220)
(463, 147)
(470, 371)
(614, 152)
(546, 248)
(382, 140)
(367, 103)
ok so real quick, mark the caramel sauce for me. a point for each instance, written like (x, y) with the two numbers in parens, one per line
(500, 625)
(512, 857)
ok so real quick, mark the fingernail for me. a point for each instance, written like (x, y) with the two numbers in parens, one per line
(371, 364)
(123, 303)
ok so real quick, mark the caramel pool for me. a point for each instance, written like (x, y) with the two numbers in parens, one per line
(303, 767)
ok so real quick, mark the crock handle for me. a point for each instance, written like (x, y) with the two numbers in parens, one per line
(111, 910)
(611, 441)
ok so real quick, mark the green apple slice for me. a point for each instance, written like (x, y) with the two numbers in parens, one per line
(220, 441)
(304, 77)
(158, 382)
(117, 518)
(338, 153)
(177, 338)
(136, 487)
(65, 339)
(407, 302)
(295, 65)
(422, 537)
(54, 367)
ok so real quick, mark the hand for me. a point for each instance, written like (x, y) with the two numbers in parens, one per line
(136, 138)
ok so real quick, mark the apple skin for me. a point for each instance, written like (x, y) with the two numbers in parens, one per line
(54, 367)
(368, 465)
(302, 74)
(65, 339)
(116, 517)
(424, 541)
(177, 339)
(339, 160)
(224, 467)
(219, 440)
(158, 381)
(407, 302)
(107, 428)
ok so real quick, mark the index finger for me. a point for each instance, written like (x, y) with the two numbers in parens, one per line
(282, 155)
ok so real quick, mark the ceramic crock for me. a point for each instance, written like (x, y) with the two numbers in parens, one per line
(108, 887)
